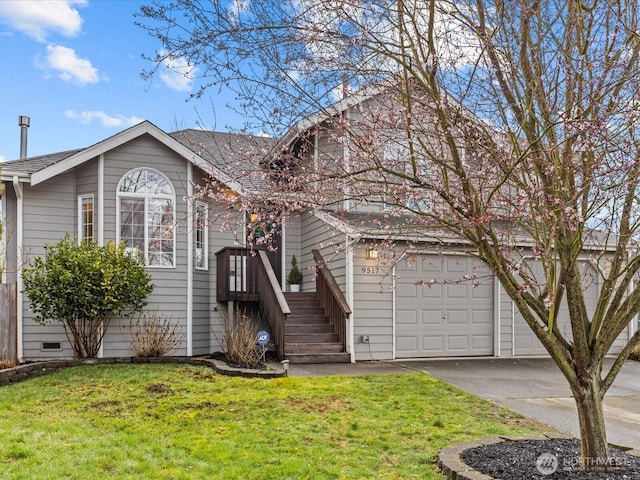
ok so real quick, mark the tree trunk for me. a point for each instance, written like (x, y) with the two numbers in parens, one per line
(594, 450)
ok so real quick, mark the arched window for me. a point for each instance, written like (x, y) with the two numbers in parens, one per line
(146, 213)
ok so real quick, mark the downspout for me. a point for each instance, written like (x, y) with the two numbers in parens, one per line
(497, 313)
(189, 260)
(283, 255)
(100, 238)
(19, 239)
(393, 305)
(349, 296)
(513, 328)
(101, 200)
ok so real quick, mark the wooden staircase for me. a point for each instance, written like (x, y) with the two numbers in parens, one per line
(309, 337)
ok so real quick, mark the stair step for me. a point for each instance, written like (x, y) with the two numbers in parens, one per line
(300, 296)
(308, 328)
(311, 338)
(309, 348)
(319, 358)
(306, 311)
(307, 319)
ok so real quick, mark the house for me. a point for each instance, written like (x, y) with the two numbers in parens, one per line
(142, 185)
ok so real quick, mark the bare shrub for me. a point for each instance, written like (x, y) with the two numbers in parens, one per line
(5, 361)
(153, 335)
(239, 341)
(635, 353)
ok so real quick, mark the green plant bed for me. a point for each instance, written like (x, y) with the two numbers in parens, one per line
(135, 421)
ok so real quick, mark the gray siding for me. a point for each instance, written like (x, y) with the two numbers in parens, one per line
(49, 213)
(372, 306)
(315, 234)
(170, 292)
(86, 183)
(292, 247)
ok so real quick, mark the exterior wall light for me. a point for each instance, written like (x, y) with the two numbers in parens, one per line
(372, 253)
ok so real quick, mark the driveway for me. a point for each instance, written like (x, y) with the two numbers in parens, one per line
(535, 388)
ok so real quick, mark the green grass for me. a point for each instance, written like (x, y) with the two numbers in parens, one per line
(184, 422)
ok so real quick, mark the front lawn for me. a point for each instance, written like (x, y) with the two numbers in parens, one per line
(138, 421)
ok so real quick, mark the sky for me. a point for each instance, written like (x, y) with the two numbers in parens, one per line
(74, 67)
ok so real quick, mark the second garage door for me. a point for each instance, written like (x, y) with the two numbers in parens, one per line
(444, 307)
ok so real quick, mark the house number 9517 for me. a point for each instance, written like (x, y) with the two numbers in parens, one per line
(370, 270)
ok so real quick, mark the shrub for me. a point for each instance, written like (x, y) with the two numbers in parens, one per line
(83, 286)
(6, 361)
(239, 341)
(635, 353)
(295, 275)
(153, 335)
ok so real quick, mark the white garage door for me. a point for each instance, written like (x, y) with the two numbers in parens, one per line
(450, 316)
(526, 343)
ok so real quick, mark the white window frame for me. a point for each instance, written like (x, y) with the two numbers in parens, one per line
(203, 227)
(81, 218)
(146, 197)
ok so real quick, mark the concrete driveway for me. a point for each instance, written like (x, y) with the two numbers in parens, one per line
(535, 388)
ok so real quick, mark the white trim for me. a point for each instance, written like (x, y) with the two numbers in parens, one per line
(81, 223)
(513, 328)
(190, 261)
(349, 294)
(497, 295)
(146, 197)
(283, 254)
(101, 200)
(196, 227)
(125, 136)
(394, 318)
(19, 240)
(3, 258)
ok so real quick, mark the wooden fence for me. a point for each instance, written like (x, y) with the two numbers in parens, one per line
(8, 324)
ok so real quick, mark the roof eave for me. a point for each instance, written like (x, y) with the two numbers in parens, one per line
(125, 136)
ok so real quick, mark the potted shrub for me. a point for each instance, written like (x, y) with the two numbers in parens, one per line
(295, 275)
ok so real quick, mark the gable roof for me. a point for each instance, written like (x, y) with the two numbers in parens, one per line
(238, 155)
(203, 149)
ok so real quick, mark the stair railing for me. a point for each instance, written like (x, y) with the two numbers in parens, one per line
(331, 298)
(273, 305)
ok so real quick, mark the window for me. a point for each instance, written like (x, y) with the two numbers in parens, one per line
(85, 218)
(146, 216)
(202, 235)
(407, 190)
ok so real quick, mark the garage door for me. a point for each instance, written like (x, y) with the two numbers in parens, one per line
(447, 315)
(524, 340)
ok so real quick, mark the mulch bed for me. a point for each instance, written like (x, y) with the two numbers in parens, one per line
(545, 459)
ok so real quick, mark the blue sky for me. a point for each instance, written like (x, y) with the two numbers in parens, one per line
(74, 67)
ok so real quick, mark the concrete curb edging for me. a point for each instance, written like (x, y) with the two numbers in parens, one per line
(454, 468)
(27, 371)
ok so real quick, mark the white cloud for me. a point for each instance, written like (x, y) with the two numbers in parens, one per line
(3, 158)
(69, 66)
(38, 18)
(177, 73)
(88, 116)
(237, 8)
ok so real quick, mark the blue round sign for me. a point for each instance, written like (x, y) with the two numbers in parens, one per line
(263, 338)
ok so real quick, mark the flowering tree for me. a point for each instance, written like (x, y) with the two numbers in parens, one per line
(508, 125)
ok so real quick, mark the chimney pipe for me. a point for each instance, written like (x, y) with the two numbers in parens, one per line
(24, 123)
